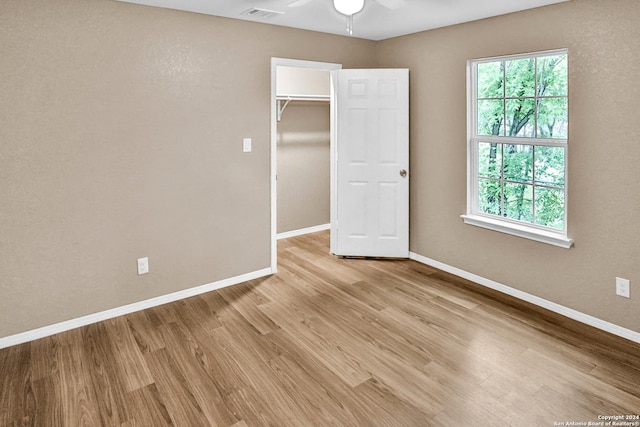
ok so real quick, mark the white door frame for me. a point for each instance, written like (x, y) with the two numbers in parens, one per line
(275, 62)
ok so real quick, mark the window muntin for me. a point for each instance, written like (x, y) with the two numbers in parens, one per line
(518, 139)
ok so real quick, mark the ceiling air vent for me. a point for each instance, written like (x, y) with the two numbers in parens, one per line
(256, 12)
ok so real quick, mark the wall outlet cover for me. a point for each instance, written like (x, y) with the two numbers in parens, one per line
(622, 287)
(143, 265)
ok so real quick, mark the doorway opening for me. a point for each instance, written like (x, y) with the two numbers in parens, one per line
(298, 89)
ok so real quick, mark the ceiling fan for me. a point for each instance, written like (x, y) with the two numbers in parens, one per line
(351, 7)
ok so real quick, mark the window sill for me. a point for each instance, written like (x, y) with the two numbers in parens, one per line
(543, 236)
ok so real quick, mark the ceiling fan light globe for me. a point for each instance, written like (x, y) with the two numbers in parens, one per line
(348, 7)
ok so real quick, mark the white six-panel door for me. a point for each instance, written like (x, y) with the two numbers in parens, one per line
(370, 206)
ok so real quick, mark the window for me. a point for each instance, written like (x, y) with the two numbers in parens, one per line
(518, 129)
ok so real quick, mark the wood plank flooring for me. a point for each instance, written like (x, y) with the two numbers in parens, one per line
(326, 342)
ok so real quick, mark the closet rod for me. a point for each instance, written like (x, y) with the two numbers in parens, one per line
(284, 100)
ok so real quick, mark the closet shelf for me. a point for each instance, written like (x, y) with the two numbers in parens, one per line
(284, 100)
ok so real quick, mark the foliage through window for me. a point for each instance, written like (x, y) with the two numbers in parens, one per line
(518, 139)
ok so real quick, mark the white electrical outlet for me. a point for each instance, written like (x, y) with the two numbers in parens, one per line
(622, 287)
(143, 265)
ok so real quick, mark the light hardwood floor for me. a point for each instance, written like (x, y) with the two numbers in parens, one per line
(326, 341)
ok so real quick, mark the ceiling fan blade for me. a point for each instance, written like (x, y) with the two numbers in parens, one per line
(298, 3)
(392, 4)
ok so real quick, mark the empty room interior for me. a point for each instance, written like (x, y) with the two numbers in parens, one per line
(283, 213)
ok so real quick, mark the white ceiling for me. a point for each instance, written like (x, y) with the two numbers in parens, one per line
(375, 22)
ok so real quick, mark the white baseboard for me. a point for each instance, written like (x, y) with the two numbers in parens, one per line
(67, 325)
(552, 306)
(302, 231)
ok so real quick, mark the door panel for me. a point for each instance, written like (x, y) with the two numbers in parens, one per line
(370, 212)
(357, 136)
(387, 210)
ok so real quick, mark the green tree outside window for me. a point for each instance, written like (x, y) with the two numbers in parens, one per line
(524, 98)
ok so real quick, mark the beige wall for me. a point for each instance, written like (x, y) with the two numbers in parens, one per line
(121, 137)
(302, 81)
(604, 153)
(303, 166)
(122, 130)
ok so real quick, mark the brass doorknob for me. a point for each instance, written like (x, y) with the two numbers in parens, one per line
(403, 173)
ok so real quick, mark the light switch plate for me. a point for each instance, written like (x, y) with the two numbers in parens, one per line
(246, 145)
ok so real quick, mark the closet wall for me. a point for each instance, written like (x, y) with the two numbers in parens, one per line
(303, 150)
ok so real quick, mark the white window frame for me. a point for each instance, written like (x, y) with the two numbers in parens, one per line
(494, 222)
